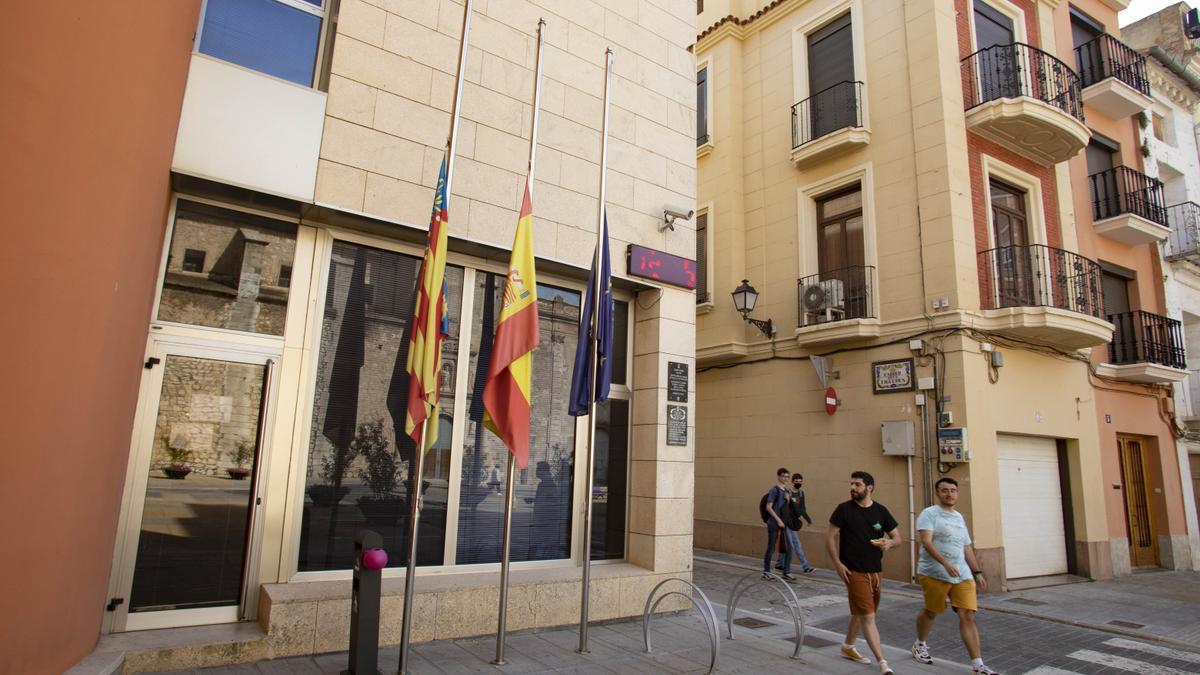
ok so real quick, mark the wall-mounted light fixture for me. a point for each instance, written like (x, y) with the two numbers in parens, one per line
(744, 300)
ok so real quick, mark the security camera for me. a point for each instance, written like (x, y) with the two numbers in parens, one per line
(670, 215)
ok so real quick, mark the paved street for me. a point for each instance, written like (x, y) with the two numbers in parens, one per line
(1034, 632)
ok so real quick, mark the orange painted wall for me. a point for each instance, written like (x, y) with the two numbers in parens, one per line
(1134, 410)
(91, 99)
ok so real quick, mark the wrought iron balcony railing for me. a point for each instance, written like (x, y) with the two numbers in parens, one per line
(1184, 240)
(836, 107)
(836, 295)
(1039, 276)
(1121, 190)
(1107, 57)
(1018, 69)
(1142, 337)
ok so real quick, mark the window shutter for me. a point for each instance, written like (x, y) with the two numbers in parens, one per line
(702, 258)
(701, 106)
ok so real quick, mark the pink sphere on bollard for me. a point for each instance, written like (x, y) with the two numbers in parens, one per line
(375, 558)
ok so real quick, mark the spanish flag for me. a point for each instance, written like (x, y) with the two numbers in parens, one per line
(506, 396)
(429, 324)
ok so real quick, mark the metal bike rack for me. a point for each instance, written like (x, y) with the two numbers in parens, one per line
(746, 583)
(706, 611)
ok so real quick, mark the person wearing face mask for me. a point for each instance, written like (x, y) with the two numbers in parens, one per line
(795, 513)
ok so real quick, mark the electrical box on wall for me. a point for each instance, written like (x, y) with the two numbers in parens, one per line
(952, 445)
(899, 438)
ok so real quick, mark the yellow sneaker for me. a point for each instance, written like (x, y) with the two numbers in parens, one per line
(852, 654)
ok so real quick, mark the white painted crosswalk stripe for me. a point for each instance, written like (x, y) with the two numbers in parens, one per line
(1048, 670)
(1157, 650)
(1114, 661)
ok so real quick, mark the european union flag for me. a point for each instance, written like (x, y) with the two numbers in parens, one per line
(602, 323)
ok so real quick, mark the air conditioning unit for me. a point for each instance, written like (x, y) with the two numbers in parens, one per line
(824, 301)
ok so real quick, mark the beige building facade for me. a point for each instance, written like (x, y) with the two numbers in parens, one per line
(905, 185)
(269, 423)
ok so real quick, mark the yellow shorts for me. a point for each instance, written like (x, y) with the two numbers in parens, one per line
(962, 594)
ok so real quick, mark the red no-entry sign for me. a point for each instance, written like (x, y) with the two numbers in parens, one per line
(831, 401)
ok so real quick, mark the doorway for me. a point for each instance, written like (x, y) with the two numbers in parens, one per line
(187, 544)
(1139, 523)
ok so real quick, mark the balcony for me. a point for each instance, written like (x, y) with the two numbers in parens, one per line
(1113, 76)
(1146, 348)
(837, 306)
(1042, 293)
(1025, 100)
(1128, 206)
(1184, 240)
(828, 123)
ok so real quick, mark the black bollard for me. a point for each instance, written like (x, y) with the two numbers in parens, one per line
(369, 559)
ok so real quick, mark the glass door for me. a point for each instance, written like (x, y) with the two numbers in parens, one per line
(193, 490)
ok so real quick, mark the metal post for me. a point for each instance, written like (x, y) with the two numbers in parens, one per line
(591, 443)
(415, 492)
(410, 576)
(502, 626)
(364, 607)
(505, 561)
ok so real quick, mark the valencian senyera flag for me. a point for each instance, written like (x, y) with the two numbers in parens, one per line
(602, 323)
(507, 396)
(429, 324)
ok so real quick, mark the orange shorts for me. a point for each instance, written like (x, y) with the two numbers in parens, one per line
(863, 591)
(962, 595)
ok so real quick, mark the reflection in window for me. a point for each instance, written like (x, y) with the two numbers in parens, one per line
(270, 36)
(360, 459)
(611, 469)
(541, 520)
(285, 276)
(215, 269)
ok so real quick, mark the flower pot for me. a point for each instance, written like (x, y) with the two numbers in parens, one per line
(237, 472)
(327, 495)
(383, 511)
(176, 471)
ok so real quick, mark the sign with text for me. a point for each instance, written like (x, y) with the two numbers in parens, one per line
(892, 376)
(677, 421)
(677, 382)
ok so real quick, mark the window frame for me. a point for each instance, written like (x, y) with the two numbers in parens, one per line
(1007, 9)
(229, 335)
(324, 41)
(813, 20)
(707, 211)
(1035, 207)
(306, 397)
(807, 198)
(706, 147)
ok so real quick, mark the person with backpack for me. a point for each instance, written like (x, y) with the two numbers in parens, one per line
(771, 508)
(795, 513)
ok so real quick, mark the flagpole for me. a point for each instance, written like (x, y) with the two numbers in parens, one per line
(502, 623)
(410, 576)
(594, 343)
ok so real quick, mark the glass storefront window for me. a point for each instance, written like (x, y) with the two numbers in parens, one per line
(223, 270)
(610, 493)
(541, 521)
(360, 460)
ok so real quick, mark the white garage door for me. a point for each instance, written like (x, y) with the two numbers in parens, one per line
(1031, 507)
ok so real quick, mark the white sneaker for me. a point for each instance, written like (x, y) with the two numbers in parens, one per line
(920, 652)
(884, 669)
(982, 670)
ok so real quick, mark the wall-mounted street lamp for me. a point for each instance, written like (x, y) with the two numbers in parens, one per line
(744, 300)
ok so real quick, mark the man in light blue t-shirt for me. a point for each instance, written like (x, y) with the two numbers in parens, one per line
(943, 570)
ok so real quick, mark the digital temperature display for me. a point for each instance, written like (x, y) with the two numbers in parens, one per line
(650, 264)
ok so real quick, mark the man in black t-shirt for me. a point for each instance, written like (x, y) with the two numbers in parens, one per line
(859, 531)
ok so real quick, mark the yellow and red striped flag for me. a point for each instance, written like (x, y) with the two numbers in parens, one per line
(506, 396)
(429, 325)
